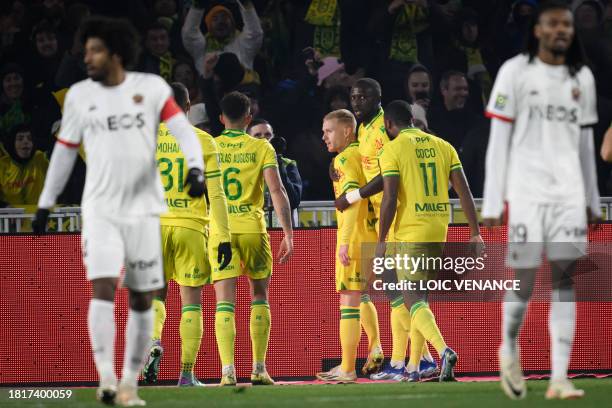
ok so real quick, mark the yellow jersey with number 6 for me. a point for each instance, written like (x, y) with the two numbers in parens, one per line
(243, 160)
(423, 163)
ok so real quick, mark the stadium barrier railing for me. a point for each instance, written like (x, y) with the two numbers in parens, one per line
(312, 214)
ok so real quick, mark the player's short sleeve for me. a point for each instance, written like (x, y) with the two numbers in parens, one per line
(455, 163)
(211, 155)
(588, 98)
(503, 101)
(389, 165)
(72, 128)
(269, 155)
(350, 168)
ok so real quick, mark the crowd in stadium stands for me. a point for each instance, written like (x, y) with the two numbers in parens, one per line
(295, 59)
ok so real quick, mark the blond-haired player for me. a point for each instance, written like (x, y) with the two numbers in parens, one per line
(339, 136)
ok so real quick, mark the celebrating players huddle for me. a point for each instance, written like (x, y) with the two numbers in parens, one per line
(391, 182)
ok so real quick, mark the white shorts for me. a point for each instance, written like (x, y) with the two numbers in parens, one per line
(557, 230)
(108, 244)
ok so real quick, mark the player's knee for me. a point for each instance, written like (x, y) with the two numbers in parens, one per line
(351, 298)
(259, 289)
(191, 295)
(562, 272)
(225, 290)
(104, 288)
(140, 301)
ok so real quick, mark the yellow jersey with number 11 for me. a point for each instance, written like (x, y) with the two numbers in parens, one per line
(243, 160)
(423, 163)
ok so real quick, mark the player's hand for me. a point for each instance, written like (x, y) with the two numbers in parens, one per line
(224, 255)
(493, 222)
(477, 245)
(341, 203)
(210, 61)
(345, 259)
(594, 220)
(285, 250)
(39, 223)
(195, 181)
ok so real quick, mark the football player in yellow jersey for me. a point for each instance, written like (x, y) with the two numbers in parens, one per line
(366, 102)
(246, 163)
(416, 169)
(185, 232)
(339, 137)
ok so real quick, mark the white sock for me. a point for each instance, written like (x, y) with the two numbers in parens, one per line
(101, 324)
(137, 341)
(514, 312)
(561, 325)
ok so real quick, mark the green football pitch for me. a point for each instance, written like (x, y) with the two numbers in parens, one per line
(465, 394)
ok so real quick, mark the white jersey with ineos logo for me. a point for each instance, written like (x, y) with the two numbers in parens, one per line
(118, 127)
(547, 107)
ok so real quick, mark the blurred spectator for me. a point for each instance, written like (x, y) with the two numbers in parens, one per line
(185, 73)
(463, 53)
(222, 35)
(287, 168)
(72, 67)
(514, 23)
(22, 170)
(450, 119)
(418, 86)
(14, 104)
(43, 64)
(198, 117)
(157, 58)
(337, 97)
(222, 73)
(589, 15)
(11, 28)
(324, 15)
(405, 29)
(419, 117)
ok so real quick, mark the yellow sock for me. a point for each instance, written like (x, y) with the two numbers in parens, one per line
(417, 342)
(349, 337)
(369, 322)
(424, 320)
(399, 331)
(159, 317)
(225, 332)
(260, 329)
(191, 328)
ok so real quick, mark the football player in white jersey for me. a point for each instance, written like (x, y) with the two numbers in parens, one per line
(540, 159)
(115, 114)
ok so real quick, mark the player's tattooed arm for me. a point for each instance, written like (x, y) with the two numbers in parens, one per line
(375, 186)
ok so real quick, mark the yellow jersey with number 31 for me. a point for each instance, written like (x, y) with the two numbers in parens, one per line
(243, 160)
(423, 163)
(185, 211)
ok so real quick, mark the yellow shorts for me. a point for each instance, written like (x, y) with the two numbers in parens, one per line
(357, 275)
(430, 254)
(251, 256)
(185, 256)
